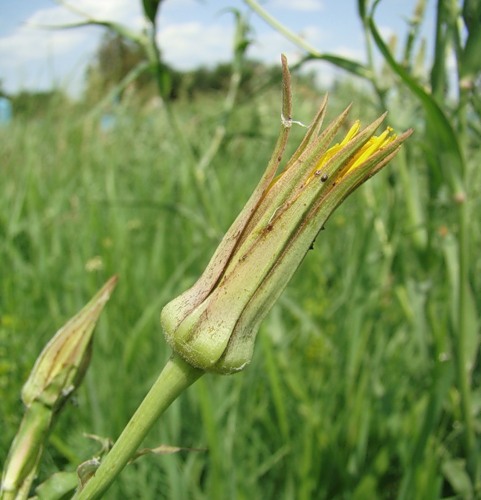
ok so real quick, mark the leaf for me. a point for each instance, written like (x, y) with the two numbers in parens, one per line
(57, 486)
(470, 60)
(163, 449)
(362, 8)
(438, 125)
(467, 308)
(455, 472)
(348, 65)
(472, 328)
(150, 8)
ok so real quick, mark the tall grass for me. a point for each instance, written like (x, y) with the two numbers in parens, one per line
(354, 390)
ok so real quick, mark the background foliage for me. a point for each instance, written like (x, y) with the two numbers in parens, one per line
(365, 380)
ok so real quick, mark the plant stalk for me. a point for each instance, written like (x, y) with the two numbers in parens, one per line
(176, 376)
(463, 370)
(27, 448)
(254, 5)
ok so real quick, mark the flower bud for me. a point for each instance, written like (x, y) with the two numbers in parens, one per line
(61, 365)
(56, 374)
(213, 325)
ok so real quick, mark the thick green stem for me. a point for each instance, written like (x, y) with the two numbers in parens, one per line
(176, 376)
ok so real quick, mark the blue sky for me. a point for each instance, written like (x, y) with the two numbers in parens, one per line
(191, 32)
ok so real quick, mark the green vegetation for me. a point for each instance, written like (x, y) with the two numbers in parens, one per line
(364, 382)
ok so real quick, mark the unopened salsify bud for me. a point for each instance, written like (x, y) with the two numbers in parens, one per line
(61, 365)
(213, 325)
(58, 371)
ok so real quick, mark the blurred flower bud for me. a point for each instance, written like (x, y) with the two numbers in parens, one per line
(61, 365)
(57, 372)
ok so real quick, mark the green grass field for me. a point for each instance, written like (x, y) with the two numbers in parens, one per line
(352, 392)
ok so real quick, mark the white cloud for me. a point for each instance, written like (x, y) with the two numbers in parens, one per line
(50, 16)
(178, 5)
(31, 40)
(191, 33)
(189, 44)
(325, 73)
(121, 11)
(299, 5)
(357, 54)
(314, 35)
(269, 45)
(32, 44)
(31, 54)
(186, 45)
